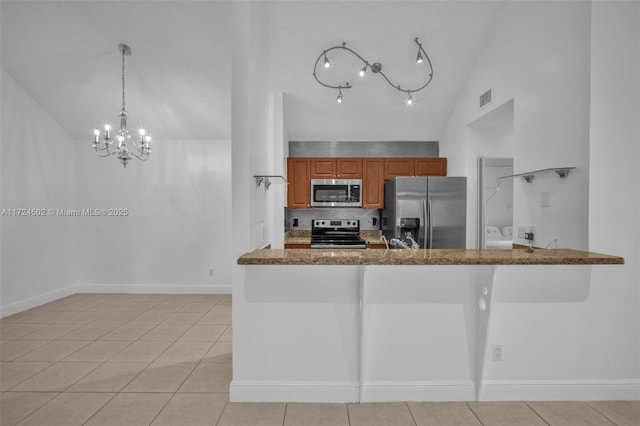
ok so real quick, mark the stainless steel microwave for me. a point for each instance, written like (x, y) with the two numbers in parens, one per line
(336, 193)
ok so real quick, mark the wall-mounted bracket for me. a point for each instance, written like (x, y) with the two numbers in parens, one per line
(563, 172)
(260, 179)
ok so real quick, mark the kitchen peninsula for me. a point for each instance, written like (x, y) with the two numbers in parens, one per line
(427, 257)
(388, 325)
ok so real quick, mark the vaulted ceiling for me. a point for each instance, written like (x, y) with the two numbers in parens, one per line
(178, 80)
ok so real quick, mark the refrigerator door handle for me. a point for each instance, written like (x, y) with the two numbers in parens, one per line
(425, 227)
(430, 225)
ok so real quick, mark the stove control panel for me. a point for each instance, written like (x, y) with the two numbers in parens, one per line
(337, 223)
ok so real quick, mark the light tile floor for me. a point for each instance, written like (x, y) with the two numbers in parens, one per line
(152, 359)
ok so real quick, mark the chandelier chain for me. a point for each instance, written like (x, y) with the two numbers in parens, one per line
(123, 80)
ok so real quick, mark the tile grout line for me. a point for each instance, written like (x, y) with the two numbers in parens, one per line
(473, 412)
(34, 374)
(411, 414)
(31, 413)
(537, 414)
(226, 404)
(601, 413)
(173, 394)
(100, 409)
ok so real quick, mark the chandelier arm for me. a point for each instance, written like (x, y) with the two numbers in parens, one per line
(397, 87)
(141, 157)
(109, 153)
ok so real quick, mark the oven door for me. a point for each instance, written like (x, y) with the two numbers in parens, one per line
(335, 193)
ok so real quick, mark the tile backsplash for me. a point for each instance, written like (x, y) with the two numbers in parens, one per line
(369, 218)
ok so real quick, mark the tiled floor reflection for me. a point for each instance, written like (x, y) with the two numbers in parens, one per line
(154, 359)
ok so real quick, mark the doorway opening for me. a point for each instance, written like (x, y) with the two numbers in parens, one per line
(495, 203)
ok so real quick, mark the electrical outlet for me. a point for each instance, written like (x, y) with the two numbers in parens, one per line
(522, 231)
(497, 352)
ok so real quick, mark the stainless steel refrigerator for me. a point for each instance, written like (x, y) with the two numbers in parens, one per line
(432, 210)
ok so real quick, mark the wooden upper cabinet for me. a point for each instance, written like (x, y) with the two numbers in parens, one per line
(431, 167)
(323, 168)
(372, 170)
(299, 188)
(398, 167)
(336, 168)
(373, 183)
(420, 166)
(349, 168)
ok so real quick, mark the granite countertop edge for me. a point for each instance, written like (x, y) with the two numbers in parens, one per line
(426, 257)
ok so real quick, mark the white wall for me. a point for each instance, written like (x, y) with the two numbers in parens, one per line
(38, 171)
(177, 227)
(176, 231)
(614, 199)
(539, 58)
(566, 332)
(260, 121)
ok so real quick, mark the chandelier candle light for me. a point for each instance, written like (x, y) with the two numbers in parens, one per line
(102, 141)
(376, 68)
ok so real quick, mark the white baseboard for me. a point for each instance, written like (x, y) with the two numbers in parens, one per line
(560, 390)
(293, 392)
(154, 288)
(418, 391)
(32, 302)
(504, 390)
(41, 299)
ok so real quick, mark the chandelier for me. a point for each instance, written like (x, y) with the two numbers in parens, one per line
(376, 68)
(102, 141)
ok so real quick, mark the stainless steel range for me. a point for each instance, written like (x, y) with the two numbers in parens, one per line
(336, 234)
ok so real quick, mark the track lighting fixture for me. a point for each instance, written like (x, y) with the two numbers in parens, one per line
(409, 100)
(376, 68)
(327, 64)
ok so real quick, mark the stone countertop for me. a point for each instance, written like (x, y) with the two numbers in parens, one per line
(426, 257)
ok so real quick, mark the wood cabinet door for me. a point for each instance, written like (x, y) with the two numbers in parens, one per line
(378, 246)
(297, 246)
(431, 167)
(349, 168)
(299, 188)
(323, 168)
(373, 183)
(398, 167)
